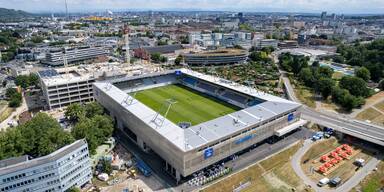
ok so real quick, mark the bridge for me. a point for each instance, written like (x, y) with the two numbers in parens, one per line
(359, 129)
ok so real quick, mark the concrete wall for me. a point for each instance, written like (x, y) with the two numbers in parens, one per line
(169, 152)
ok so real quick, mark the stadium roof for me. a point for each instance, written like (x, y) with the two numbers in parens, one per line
(210, 131)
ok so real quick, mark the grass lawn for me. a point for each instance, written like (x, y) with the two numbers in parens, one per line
(191, 106)
(305, 95)
(5, 111)
(320, 148)
(380, 106)
(374, 181)
(371, 115)
(337, 75)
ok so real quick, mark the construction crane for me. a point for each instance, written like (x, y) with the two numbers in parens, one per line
(127, 55)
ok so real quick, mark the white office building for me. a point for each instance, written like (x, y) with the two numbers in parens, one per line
(56, 57)
(65, 168)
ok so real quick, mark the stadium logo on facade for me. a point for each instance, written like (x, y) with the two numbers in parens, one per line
(290, 117)
(208, 153)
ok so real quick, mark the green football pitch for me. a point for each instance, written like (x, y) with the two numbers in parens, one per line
(190, 105)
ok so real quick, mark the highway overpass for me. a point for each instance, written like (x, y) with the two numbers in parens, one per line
(350, 126)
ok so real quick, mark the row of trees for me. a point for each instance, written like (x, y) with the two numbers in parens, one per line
(349, 92)
(38, 137)
(158, 58)
(9, 39)
(43, 134)
(90, 123)
(14, 97)
(370, 56)
(25, 81)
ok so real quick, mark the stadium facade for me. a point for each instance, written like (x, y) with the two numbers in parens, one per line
(186, 150)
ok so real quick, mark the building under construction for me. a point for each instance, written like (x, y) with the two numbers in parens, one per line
(63, 86)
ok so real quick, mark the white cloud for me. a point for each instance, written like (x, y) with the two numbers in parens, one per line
(338, 6)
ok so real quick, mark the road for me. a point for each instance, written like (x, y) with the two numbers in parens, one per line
(260, 152)
(347, 186)
(18, 111)
(342, 123)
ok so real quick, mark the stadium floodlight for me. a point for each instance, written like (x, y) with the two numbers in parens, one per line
(158, 120)
(108, 86)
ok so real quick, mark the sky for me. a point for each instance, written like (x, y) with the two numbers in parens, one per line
(307, 6)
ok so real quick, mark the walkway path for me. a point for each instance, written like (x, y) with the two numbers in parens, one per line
(18, 111)
(347, 186)
(357, 111)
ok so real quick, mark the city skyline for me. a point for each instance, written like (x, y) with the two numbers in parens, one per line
(304, 6)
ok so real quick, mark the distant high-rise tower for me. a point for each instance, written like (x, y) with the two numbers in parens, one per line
(334, 16)
(323, 15)
(240, 15)
(66, 10)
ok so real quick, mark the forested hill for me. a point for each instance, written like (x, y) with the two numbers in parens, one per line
(11, 14)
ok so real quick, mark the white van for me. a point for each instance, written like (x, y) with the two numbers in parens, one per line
(323, 182)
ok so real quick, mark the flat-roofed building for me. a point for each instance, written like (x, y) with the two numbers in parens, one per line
(216, 57)
(56, 57)
(65, 168)
(189, 149)
(63, 86)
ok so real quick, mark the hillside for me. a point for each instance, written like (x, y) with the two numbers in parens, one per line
(13, 14)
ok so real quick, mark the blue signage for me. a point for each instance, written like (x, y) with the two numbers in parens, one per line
(178, 72)
(291, 117)
(208, 153)
(244, 139)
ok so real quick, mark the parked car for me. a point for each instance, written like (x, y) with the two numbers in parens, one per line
(335, 181)
(323, 181)
(318, 136)
(359, 162)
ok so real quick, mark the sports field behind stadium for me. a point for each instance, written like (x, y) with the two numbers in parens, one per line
(191, 106)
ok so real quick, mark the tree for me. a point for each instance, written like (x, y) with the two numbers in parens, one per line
(15, 98)
(324, 71)
(355, 85)
(37, 39)
(238, 47)
(155, 57)
(38, 137)
(345, 99)
(268, 49)
(325, 86)
(25, 81)
(74, 112)
(258, 56)
(10, 92)
(306, 76)
(381, 85)
(339, 59)
(107, 167)
(95, 130)
(74, 189)
(178, 60)
(163, 59)
(316, 64)
(92, 109)
(363, 73)
(161, 42)
(22, 81)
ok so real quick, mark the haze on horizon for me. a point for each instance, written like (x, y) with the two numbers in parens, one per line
(307, 6)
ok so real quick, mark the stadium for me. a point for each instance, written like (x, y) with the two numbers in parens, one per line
(192, 120)
(216, 57)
